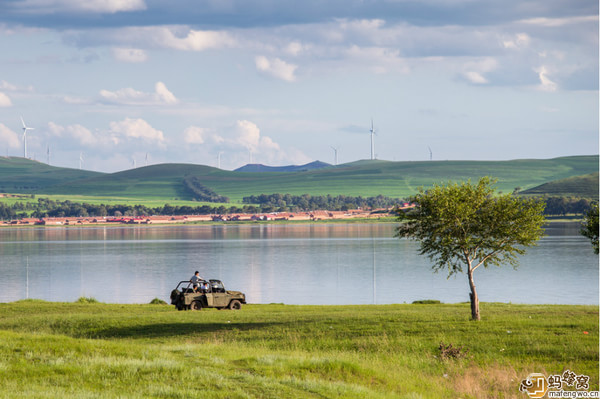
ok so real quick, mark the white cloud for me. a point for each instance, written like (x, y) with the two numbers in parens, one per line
(6, 86)
(174, 37)
(194, 135)
(8, 137)
(276, 68)
(74, 100)
(545, 83)
(129, 96)
(474, 70)
(163, 94)
(199, 40)
(557, 22)
(243, 133)
(97, 6)
(475, 77)
(137, 129)
(519, 40)
(131, 55)
(4, 100)
(296, 48)
(247, 135)
(378, 59)
(77, 132)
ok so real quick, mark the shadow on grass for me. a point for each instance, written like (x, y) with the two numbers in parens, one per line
(166, 330)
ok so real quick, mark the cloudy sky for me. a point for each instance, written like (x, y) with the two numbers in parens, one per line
(126, 82)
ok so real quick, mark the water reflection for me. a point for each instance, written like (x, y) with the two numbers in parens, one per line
(304, 264)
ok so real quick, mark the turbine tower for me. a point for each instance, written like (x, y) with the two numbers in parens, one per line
(25, 129)
(335, 150)
(430, 154)
(48, 154)
(80, 159)
(219, 159)
(146, 159)
(372, 140)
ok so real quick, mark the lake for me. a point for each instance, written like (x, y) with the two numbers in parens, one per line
(292, 264)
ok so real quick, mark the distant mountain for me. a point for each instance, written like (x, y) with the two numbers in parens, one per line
(257, 167)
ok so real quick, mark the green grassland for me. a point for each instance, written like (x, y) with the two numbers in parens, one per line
(90, 350)
(363, 178)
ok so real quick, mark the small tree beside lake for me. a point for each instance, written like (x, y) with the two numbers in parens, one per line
(589, 228)
(466, 226)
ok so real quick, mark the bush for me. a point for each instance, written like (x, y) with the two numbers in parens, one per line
(157, 301)
(451, 352)
(83, 299)
(426, 302)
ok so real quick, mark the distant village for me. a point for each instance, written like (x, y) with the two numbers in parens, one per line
(238, 217)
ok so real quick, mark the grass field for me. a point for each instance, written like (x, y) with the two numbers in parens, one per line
(90, 350)
(362, 178)
(97, 200)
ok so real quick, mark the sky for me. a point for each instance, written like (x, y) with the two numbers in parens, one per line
(109, 85)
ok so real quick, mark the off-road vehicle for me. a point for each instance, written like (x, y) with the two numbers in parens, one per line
(207, 294)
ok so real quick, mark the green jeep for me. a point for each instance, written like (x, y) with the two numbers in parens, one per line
(208, 294)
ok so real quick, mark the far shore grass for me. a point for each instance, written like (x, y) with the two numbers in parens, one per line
(91, 350)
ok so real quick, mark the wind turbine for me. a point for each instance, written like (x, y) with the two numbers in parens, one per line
(430, 153)
(48, 154)
(372, 140)
(133, 162)
(80, 159)
(335, 150)
(219, 159)
(25, 129)
(146, 159)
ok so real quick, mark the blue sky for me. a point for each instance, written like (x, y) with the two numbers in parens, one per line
(136, 82)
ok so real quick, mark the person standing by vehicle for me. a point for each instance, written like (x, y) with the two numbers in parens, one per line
(196, 279)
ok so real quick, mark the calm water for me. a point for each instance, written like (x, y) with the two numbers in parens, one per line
(293, 264)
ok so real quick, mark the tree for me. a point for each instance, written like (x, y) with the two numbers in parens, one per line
(466, 225)
(589, 228)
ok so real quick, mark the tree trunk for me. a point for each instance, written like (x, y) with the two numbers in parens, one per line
(473, 296)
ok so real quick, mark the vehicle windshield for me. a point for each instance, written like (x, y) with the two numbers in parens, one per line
(217, 286)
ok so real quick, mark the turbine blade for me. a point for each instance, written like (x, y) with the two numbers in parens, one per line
(23, 122)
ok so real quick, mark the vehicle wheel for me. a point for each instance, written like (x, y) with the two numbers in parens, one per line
(196, 305)
(235, 305)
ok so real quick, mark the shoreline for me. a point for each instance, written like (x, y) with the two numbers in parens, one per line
(350, 220)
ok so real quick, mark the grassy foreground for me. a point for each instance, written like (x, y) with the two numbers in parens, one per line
(85, 350)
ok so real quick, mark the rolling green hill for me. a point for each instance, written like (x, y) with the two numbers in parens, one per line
(585, 186)
(21, 175)
(364, 178)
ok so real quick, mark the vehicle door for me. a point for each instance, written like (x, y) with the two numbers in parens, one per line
(220, 297)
